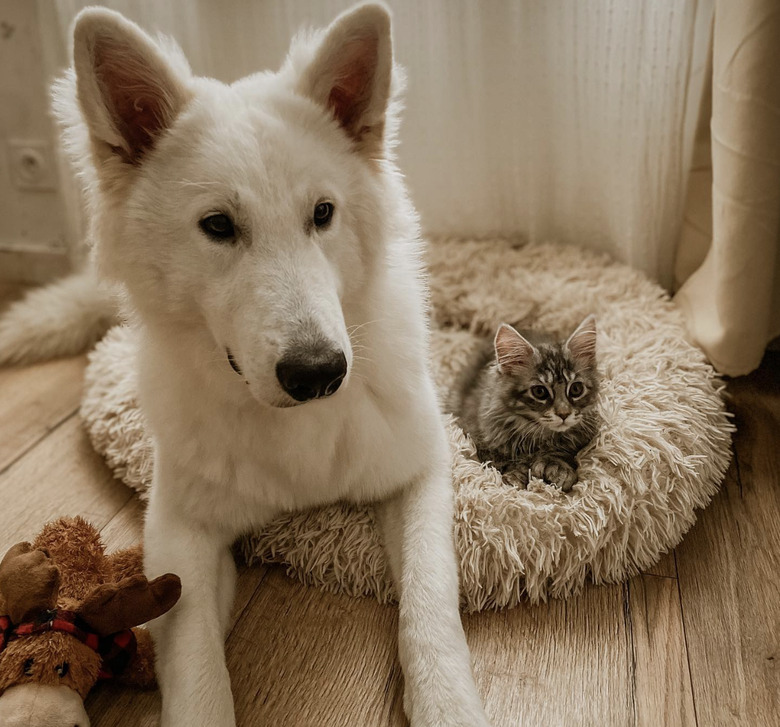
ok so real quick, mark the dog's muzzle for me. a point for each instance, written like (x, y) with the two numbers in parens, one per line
(311, 374)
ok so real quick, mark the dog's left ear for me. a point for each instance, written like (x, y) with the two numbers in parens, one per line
(351, 72)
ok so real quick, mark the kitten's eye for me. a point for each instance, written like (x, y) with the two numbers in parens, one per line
(218, 227)
(62, 670)
(540, 392)
(576, 390)
(28, 667)
(323, 213)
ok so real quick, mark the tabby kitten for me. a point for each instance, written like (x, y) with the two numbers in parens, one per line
(528, 402)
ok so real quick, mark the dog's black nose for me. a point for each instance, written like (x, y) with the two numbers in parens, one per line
(308, 375)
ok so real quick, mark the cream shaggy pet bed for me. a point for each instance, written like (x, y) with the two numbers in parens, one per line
(661, 454)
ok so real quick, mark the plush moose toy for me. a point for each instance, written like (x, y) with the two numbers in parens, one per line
(66, 617)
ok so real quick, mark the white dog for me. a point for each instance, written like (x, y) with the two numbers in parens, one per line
(271, 256)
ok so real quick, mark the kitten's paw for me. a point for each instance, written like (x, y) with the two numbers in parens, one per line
(517, 477)
(555, 472)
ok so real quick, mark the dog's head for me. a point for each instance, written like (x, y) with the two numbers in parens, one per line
(253, 213)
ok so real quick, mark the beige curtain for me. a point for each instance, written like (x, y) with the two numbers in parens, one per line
(728, 260)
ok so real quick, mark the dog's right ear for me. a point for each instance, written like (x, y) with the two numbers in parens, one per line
(128, 91)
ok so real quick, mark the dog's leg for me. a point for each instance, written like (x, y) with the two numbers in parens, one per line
(189, 640)
(226, 589)
(417, 531)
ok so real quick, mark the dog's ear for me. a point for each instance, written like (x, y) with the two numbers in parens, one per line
(350, 74)
(128, 90)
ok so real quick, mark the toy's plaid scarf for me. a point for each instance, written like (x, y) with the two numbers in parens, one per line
(116, 650)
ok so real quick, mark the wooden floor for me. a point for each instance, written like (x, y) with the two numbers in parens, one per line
(692, 642)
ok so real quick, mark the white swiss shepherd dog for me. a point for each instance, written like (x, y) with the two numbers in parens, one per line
(271, 257)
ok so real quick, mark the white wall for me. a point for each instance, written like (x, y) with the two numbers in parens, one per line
(34, 234)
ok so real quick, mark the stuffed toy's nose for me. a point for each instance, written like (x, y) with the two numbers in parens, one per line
(39, 705)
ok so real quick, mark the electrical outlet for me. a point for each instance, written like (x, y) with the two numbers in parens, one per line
(32, 164)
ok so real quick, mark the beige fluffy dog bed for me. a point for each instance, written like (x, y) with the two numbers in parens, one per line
(661, 454)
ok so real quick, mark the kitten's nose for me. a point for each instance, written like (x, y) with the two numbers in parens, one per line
(563, 415)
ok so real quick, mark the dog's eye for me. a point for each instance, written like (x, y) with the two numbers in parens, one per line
(28, 667)
(218, 227)
(576, 390)
(62, 670)
(323, 213)
(539, 392)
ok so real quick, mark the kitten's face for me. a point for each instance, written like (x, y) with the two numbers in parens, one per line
(555, 391)
(554, 384)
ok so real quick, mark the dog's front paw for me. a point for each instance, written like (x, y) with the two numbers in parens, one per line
(465, 711)
(556, 472)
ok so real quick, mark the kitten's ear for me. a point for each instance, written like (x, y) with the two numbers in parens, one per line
(351, 71)
(128, 91)
(582, 343)
(513, 352)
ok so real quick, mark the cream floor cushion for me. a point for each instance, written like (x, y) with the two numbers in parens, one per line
(660, 456)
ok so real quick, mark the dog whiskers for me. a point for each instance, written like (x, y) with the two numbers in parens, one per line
(358, 326)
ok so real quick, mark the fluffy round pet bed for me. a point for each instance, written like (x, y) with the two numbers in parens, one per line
(661, 454)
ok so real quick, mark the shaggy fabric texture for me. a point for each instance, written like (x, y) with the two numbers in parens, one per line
(661, 453)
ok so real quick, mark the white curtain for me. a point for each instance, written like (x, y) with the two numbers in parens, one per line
(729, 253)
(564, 119)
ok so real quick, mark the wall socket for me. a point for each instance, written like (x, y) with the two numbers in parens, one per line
(31, 164)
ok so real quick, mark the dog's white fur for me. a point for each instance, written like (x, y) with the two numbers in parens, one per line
(158, 149)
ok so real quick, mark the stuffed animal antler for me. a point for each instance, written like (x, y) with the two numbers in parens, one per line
(67, 613)
(29, 581)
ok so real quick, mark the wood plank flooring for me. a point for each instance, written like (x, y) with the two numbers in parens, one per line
(694, 641)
